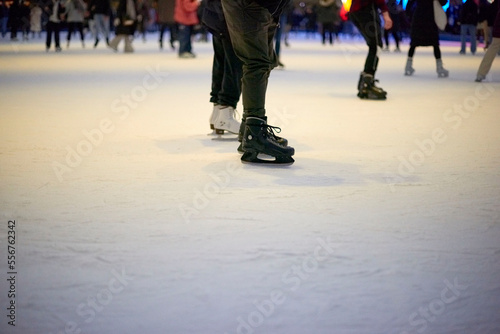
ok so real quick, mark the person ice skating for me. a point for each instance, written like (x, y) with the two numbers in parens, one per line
(100, 10)
(328, 16)
(75, 11)
(252, 25)
(364, 15)
(424, 32)
(4, 17)
(126, 23)
(282, 29)
(394, 10)
(186, 16)
(468, 23)
(482, 19)
(36, 21)
(166, 20)
(55, 11)
(226, 71)
(491, 52)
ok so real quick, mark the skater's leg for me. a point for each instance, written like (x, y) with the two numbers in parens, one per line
(368, 24)
(57, 30)
(233, 71)
(252, 30)
(441, 71)
(50, 30)
(488, 58)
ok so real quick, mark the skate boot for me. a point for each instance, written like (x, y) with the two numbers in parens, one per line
(368, 90)
(279, 140)
(409, 69)
(213, 118)
(259, 140)
(226, 120)
(441, 71)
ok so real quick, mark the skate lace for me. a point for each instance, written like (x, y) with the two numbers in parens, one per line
(270, 130)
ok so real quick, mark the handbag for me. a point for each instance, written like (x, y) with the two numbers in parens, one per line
(439, 15)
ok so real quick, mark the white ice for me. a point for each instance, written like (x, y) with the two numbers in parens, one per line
(130, 219)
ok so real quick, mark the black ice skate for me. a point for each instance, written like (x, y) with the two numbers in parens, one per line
(280, 140)
(259, 140)
(368, 90)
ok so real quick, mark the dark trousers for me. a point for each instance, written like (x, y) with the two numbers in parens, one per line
(172, 27)
(185, 33)
(367, 20)
(226, 73)
(252, 30)
(395, 35)
(55, 28)
(72, 26)
(327, 30)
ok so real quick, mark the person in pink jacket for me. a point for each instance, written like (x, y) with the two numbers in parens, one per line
(186, 16)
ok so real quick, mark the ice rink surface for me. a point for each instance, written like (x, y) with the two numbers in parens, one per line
(130, 219)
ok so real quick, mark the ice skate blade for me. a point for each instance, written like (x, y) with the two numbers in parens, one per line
(227, 137)
(372, 97)
(261, 159)
(216, 132)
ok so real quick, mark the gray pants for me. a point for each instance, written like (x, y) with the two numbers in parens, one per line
(488, 58)
(128, 43)
(252, 30)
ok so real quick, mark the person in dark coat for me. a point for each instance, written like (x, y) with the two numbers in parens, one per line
(492, 12)
(484, 13)
(424, 32)
(395, 10)
(55, 11)
(15, 18)
(468, 23)
(492, 51)
(126, 24)
(166, 20)
(328, 15)
(100, 10)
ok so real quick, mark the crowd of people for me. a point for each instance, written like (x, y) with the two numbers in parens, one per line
(246, 37)
(472, 20)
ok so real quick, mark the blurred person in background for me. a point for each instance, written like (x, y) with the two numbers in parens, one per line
(125, 25)
(100, 12)
(75, 11)
(424, 32)
(186, 16)
(166, 20)
(55, 11)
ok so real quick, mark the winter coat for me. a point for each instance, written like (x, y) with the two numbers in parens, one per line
(126, 17)
(36, 19)
(493, 9)
(75, 10)
(424, 31)
(496, 24)
(484, 11)
(54, 11)
(166, 11)
(469, 13)
(328, 11)
(186, 12)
